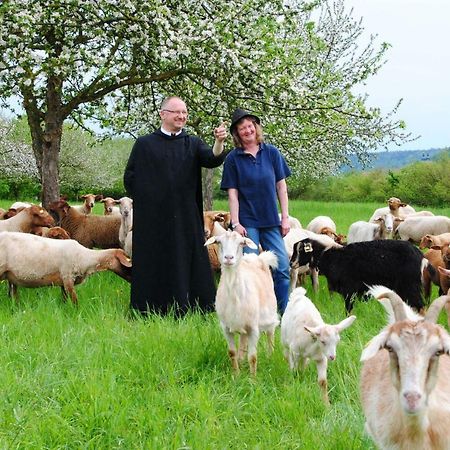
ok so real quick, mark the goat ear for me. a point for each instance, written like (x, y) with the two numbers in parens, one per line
(343, 324)
(98, 197)
(210, 241)
(374, 345)
(249, 243)
(446, 342)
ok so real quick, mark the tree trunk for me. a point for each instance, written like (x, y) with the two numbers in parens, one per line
(50, 163)
(208, 189)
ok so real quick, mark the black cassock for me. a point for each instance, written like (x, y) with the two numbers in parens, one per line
(170, 263)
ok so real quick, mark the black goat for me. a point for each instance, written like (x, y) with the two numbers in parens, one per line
(397, 265)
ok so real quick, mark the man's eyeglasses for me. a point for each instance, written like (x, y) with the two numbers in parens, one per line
(178, 113)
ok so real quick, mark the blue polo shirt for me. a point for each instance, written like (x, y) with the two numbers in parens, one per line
(255, 179)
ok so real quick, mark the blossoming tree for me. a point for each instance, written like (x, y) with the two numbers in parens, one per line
(295, 63)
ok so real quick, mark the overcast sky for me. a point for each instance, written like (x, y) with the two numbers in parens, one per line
(418, 64)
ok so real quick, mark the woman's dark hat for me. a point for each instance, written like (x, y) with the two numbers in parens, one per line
(240, 114)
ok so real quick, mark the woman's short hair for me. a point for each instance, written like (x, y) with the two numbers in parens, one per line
(259, 132)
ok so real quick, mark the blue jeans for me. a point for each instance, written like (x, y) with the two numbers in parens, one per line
(271, 239)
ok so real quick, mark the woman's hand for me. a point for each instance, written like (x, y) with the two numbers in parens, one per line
(285, 226)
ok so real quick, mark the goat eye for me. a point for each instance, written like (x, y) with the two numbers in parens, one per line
(389, 348)
(439, 352)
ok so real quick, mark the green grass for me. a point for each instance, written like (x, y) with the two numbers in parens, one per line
(97, 377)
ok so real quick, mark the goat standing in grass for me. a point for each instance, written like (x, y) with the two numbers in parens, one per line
(405, 379)
(306, 336)
(245, 300)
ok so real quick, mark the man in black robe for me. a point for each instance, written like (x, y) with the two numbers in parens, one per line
(171, 269)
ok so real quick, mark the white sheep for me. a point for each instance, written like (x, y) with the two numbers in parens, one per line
(33, 261)
(305, 336)
(28, 218)
(380, 228)
(245, 300)
(88, 202)
(405, 381)
(415, 228)
(396, 207)
(126, 224)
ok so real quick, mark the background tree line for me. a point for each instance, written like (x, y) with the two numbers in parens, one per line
(89, 165)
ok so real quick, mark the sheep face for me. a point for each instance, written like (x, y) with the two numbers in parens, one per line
(125, 206)
(414, 350)
(231, 246)
(41, 217)
(394, 203)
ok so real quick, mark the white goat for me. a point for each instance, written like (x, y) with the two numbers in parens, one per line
(405, 387)
(33, 261)
(245, 301)
(306, 336)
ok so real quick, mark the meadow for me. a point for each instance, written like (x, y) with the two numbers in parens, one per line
(97, 376)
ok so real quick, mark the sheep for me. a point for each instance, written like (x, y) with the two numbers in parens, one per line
(380, 228)
(108, 206)
(26, 219)
(215, 220)
(88, 204)
(306, 336)
(444, 282)
(396, 264)
(325, 225)
(20, 205)
(126, 224)
(396, 207)
(415, 228)
(435, 259)
(89, 230)
(245, 300)
(405, 391)
(290, 240)
(53, 232)
(33, 261)
(429, 240)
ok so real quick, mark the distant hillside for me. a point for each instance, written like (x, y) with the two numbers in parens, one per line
(396, 159)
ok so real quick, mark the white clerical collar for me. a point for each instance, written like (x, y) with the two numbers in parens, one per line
(169, 133)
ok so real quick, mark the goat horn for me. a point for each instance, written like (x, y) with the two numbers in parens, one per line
(397, 305)
(435, 308)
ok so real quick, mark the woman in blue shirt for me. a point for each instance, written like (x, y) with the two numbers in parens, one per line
(254, 175)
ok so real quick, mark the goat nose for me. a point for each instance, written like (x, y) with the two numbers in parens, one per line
(229, 257)
(332, 357)
(412, 398)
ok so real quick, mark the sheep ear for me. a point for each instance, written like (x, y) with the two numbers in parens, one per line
(249, 243)
(123, 258)
(374, 345)
(343, 324)
(210, 241)
(435, 247)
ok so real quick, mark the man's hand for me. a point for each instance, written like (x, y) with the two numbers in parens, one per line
(220, 133)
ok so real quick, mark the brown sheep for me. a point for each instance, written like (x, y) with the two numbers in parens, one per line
(89, 230)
